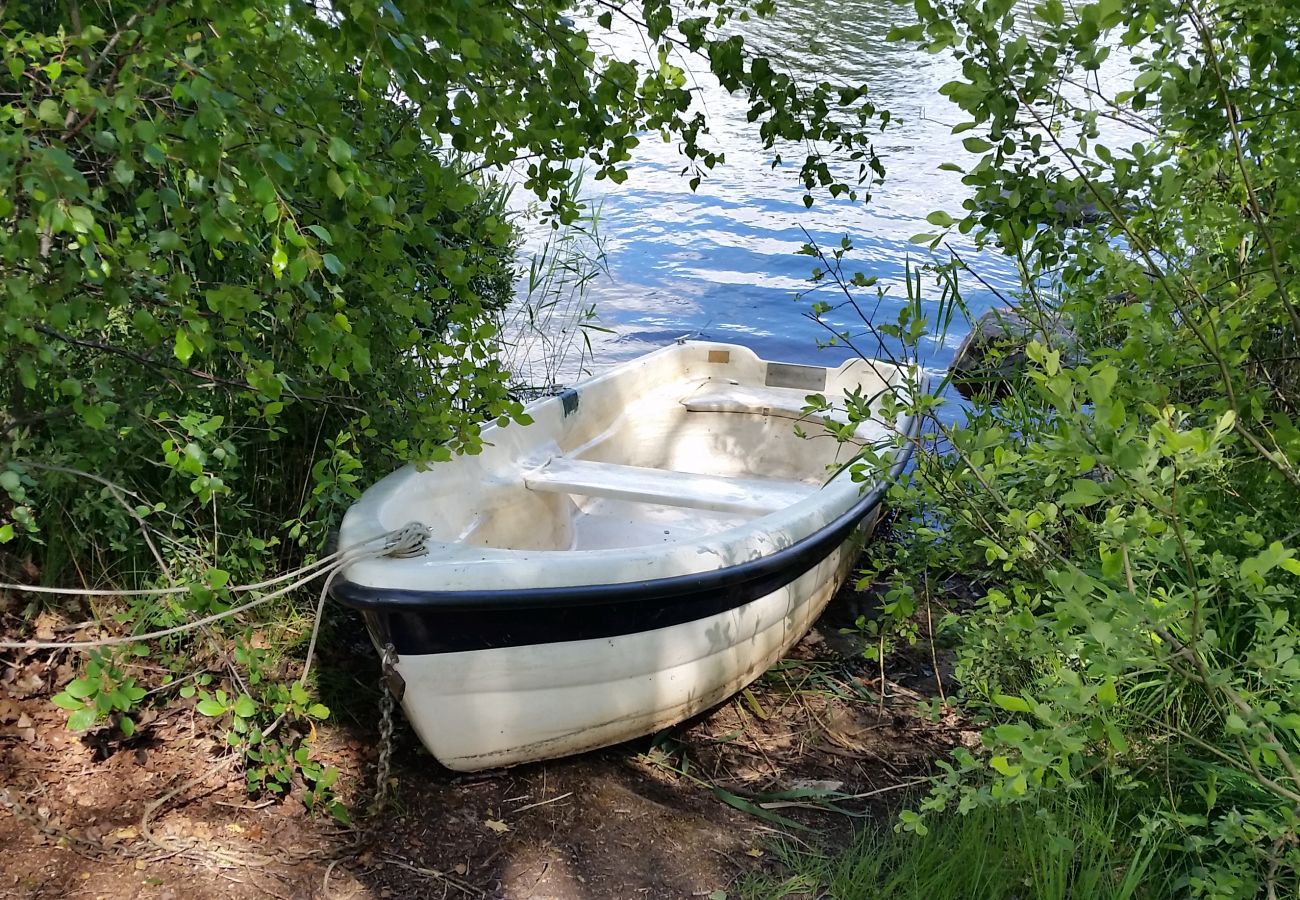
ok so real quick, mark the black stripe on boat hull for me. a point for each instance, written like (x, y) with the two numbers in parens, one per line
(420, 622)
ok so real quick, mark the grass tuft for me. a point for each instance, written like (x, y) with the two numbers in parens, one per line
(1082, 846)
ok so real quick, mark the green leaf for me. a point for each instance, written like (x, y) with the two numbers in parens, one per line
(1083, 492)
(82, 688)
(335, 183)
(1013, 704)
(244, 706)
(264, 191)
(1147, 79)
(123, 174)
(339, 151)
(1106, 693)
(976, 145)
(1274, 555)
(1116, 738)
(1005, 767)
(210, 707)
(183, 349)
(48, 112)
(82, 719)
(64, 700)
(1289, 720)
(1052, 12)
(318, 711)
(940, 218)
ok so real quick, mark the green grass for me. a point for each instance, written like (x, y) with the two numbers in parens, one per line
(1079, 848)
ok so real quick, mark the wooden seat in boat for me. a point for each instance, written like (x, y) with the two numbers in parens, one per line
(758, 496)
(762, 401)
(789, 403)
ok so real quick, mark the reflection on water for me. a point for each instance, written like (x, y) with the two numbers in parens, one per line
(721, 262)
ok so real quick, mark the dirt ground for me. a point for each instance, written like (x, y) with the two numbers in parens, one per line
(165, 815)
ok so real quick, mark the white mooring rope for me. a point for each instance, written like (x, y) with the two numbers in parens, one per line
(403, 542)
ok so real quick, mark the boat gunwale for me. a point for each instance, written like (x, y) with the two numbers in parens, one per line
(794, 559)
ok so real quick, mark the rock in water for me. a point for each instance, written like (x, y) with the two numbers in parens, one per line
(992, 357)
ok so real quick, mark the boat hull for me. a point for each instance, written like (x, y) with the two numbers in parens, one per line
(487, 708)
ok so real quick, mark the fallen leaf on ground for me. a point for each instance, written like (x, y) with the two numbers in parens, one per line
(497, 825)
(118, 835)
(45, 626)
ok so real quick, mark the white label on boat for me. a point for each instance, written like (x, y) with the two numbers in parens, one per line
(808, 378)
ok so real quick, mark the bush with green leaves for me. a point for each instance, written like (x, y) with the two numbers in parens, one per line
(1131, 521)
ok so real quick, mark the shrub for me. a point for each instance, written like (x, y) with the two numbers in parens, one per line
(1131, 520)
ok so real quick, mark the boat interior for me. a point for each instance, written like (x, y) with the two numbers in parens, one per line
(636, 462)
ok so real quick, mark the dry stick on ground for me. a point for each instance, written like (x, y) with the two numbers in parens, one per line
(434, 874)
(152, 808)
(934, 655)
(755, 741)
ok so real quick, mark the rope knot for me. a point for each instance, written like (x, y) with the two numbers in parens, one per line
(407, 541)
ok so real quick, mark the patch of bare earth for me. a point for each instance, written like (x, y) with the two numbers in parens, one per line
(165, 814)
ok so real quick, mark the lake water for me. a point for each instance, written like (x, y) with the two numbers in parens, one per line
(720, 262)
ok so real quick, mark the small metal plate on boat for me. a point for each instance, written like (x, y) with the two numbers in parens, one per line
(396, 684)
(719, 356)
(785, 375)
(569, 400)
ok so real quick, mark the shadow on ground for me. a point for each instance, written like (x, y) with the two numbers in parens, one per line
(648, 819)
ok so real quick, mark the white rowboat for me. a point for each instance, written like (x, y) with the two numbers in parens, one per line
(655, 540)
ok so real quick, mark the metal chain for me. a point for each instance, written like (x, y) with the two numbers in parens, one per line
(45, 826)
(387, 702)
